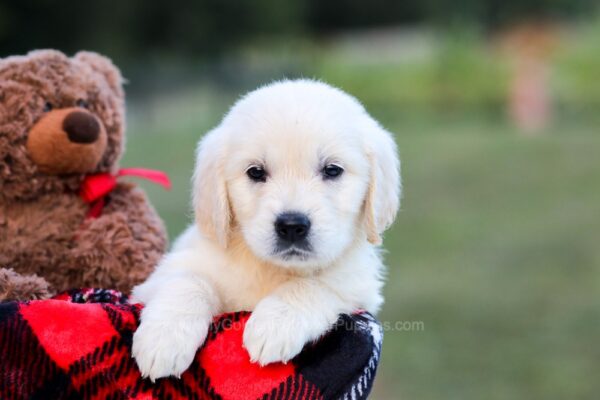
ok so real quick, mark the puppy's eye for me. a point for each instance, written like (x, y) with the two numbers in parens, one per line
(82, 103)
(48, 107)
(257, 174)
(332, 171)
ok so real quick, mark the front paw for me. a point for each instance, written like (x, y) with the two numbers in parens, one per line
(276, 332)
(167, 348)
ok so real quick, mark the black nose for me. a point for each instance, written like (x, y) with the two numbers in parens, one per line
(292, 226)
(81, 127)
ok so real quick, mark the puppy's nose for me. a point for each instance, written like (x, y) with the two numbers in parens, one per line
(81, 127)
(292, 226)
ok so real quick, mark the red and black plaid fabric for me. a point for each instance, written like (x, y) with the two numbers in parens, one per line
(78, 346)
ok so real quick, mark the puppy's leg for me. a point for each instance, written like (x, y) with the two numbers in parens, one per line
(298, 312)
(174, 324)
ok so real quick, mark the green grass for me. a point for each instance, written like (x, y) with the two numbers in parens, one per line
(496, 250)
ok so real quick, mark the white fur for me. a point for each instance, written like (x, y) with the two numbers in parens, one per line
(227, 262)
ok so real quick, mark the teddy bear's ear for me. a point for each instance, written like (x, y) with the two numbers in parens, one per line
(104, 66)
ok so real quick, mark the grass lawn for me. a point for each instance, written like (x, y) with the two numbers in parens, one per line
(496, 250)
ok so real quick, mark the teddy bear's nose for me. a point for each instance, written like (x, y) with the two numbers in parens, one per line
(81, 127)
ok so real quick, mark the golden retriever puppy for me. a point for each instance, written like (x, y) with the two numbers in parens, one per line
(291, 193)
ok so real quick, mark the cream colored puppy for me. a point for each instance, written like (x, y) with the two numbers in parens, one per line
(291, 193)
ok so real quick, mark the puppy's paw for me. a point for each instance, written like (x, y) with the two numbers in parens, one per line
(167, 348)
(275, 332)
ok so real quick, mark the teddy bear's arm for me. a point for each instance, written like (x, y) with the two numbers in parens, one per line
(14, 286)
(120, 248)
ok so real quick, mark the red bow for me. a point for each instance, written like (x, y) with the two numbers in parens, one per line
(94, 188)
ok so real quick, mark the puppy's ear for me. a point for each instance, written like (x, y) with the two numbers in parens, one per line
(211, 202)
(383, 195)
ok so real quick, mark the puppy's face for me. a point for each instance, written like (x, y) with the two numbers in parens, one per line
(294, 168)
(297, 189)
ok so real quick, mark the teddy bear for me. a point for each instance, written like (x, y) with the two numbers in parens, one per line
(61, 137)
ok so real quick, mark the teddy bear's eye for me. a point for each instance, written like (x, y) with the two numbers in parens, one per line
(48, 106)
(82, 103)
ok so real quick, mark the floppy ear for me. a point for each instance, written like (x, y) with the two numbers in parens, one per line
(211, 202)
(383, 194)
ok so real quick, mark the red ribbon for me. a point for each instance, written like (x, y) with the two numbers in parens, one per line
(95, 188)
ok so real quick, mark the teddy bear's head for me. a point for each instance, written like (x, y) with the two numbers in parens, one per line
(61, 118)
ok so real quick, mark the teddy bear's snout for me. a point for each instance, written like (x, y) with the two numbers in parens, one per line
(81, 127)
(67, 141)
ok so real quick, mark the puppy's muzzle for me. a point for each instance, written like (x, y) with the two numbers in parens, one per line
(292, 228)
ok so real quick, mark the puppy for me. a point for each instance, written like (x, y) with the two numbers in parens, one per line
(291, 193)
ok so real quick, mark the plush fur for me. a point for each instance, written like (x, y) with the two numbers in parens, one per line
(229, 260)
(46, 242)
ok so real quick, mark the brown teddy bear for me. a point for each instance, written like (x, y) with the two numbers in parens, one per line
(62, 122)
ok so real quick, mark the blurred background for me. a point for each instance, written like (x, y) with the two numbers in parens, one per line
(496, 109)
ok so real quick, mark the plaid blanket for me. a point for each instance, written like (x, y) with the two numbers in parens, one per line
(77, 346)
